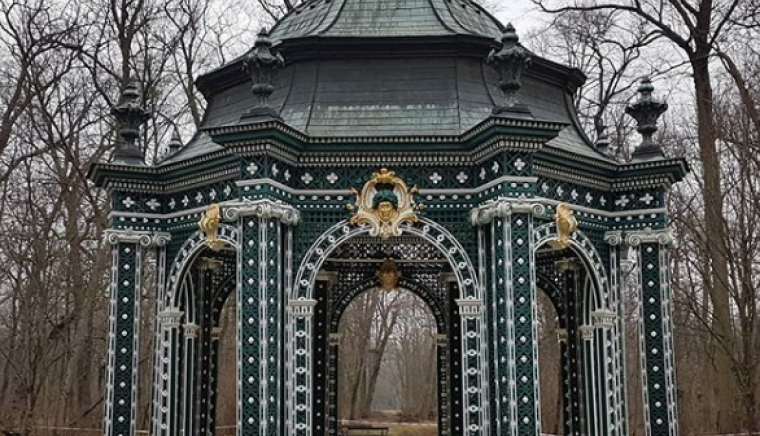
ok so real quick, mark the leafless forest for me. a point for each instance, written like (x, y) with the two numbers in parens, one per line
(62, 63)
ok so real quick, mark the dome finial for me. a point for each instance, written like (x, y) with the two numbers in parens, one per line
(262, 65)
(129, 115)
(603, 142)
(510, 61)
(646, 111)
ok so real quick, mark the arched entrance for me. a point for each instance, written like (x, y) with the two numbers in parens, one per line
(386, 349)
(346, 261)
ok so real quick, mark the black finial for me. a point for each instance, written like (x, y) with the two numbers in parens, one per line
(129, 115)
(511, 61)
(646, 111)
(603, 142)
(261, 65)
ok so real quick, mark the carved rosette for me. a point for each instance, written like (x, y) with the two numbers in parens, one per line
(384, 204)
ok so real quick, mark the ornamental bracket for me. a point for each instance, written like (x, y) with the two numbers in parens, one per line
(384, 204)
(209, 226)
(566, 225)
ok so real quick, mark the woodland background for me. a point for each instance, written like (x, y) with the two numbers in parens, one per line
(62, 63)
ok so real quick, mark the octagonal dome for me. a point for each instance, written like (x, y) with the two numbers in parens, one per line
(388, 68)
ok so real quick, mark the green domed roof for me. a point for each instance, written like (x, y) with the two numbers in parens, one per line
(386, 18)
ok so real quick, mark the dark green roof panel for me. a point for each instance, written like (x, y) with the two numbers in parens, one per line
(386, 18)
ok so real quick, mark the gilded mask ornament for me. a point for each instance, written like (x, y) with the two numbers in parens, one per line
(209, 226)
(388, 274)
(384, 203)
(566, 225)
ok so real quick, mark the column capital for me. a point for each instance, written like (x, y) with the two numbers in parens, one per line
(649, 236)
(191, 330)
(302, 308)
(170, 317)
(265, 208)
(561, 335)
(442, 340)
(603, 318)
(470, 307)
(586, 331)
(144, 238)
(613, 238)
(503, 207)
(334, 339)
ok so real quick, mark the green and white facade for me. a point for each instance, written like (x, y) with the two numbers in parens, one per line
(341, 89)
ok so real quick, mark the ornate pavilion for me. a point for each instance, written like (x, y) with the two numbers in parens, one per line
(407, 144)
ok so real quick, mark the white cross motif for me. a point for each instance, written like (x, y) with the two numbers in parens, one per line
(560, 191)
(185, 201)
(544, 187)
(622, 201)
(482, 173)
(199, 198)
(153, 204)
(603, 201)
(462, 177)
(647, 198)
(252, 168)
(519, 164)
(574, 194)
(589, 198)
(212, 194)
(227, 190)
(286, 174)
(275, 170)
(332, 178)
(172, 203)
(495, 167)
(128, 202)
(435, 177)
(307, 178)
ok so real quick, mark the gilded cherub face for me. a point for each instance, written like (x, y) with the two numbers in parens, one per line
(386, 212)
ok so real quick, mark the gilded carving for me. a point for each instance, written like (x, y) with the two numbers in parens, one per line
(384, 203)
(388, 274)
(566, 224)
(209, 226)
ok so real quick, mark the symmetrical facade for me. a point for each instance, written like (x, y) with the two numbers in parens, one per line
(379, 136)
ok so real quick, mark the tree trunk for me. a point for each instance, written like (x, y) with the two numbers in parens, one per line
(724, 385)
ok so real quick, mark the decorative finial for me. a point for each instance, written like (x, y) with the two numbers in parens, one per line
(511, 61)
(129, 115)
(646, 111)
(261, 65)
(176, 142)
(603, 142)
